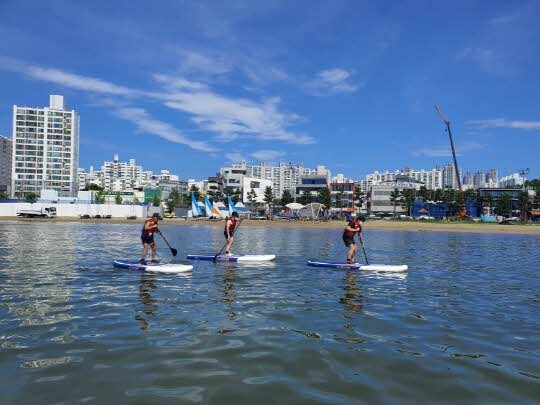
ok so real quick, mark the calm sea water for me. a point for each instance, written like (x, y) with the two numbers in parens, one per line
(463, 325)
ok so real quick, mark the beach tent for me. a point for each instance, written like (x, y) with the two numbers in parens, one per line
(312, 210)
(294, 207)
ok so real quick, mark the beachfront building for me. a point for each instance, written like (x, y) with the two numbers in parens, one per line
(512, 180)
(313, 182)
(285, 176)
(45, 153)
(340, 186)
(379, 201)
(257, 185)
(432, 179)
(5, 164)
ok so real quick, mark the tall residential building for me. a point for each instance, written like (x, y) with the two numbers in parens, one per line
(286, 176)
(479, 180)
(449, 176)
(116, 176)
(432, 179)
(512, 180)
(45, 149)
(468, 179)
(491, 176)
(5, 164)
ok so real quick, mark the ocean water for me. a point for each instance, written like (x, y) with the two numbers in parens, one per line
(461, 326)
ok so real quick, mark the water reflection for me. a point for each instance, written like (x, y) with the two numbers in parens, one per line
(352, 301)
(149, 305)
(229, 276)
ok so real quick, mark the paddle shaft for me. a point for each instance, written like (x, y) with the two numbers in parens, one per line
(232, 234)
(363, 248)
(174, 252)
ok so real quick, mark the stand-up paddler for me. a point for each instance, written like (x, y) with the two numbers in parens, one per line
(230, 225)
(147, 237)
(354, 227)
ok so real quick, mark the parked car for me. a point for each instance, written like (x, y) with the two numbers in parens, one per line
(425, 217)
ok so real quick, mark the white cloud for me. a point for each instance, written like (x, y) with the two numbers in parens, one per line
(65, 78)
(332, 81)
(504, 123)
(178, 83)
(233, 117)
(234, 157)
(446, 151)
(203, 63)
(267, 155)
(486, 59)
(146, 124)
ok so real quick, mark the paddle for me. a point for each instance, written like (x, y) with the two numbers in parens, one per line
(221, 251)
(174, 252)
(363, 248)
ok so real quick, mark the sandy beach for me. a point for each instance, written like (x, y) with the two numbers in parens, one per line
(413, 226)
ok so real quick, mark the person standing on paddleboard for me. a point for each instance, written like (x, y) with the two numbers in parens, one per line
(353, 227)
(230, 225)
(147, 237)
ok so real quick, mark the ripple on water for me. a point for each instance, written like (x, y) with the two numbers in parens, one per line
(461, 325)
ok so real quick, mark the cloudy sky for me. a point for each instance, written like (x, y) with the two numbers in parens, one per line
(190, 85)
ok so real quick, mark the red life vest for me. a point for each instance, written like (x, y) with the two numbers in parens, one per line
(148, 232)
(355, 223)
(232, 226)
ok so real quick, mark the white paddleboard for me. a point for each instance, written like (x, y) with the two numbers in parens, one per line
(234, 258)
(358, 266)
(154, 267)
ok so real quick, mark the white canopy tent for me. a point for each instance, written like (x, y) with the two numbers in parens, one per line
(295, 207)
(312, 210)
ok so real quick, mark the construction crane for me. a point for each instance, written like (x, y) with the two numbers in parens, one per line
(462, 213)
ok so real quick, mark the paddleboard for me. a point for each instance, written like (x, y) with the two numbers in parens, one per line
(358, 266)
(239, 258)
(154, 267)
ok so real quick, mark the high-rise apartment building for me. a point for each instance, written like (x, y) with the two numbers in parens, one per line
(479, 180)
(45, 149)
(450, 178)
(5, 164)
(432, 179)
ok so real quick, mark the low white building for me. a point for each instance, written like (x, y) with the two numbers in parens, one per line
(257, 185)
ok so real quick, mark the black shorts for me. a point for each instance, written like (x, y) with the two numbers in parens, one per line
(348, 240)
(149, 239)
(225, 234)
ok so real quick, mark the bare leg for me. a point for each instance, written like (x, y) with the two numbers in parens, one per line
(350, 253)
(145, 251)
(229, 245)
(154, 254)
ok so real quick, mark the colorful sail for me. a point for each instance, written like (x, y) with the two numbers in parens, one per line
(215, 211)
(207, 207)
(232, 207)
(195, 209)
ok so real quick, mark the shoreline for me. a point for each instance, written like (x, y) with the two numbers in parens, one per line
(411, 226)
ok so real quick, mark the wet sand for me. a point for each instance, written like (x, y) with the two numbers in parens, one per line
(413, 226)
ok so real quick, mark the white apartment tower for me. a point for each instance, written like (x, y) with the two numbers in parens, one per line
(5, 164)
(45, 149)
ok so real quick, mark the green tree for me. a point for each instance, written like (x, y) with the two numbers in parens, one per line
(306, 197)
(94, 187)
(118, 199)
(214, 193)
(3, 195)
(156, 201)
(437, 195)
(136, 200)
(524, 204)
(407, 199)
(423, 193)
(504, 205)
(31, 197)
(252, 198)
(338, 199)
(325, 197)
(286, 197)
(173, 200)
(395, 197)
(268, 197)
(359, 197)
(99, 197)
(235, 195)
(470, 195)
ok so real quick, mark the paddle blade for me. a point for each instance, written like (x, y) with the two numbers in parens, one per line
(174, 251)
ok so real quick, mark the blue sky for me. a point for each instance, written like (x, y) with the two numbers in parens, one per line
(191, 85)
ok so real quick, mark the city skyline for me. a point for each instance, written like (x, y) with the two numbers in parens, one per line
(198, 84)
